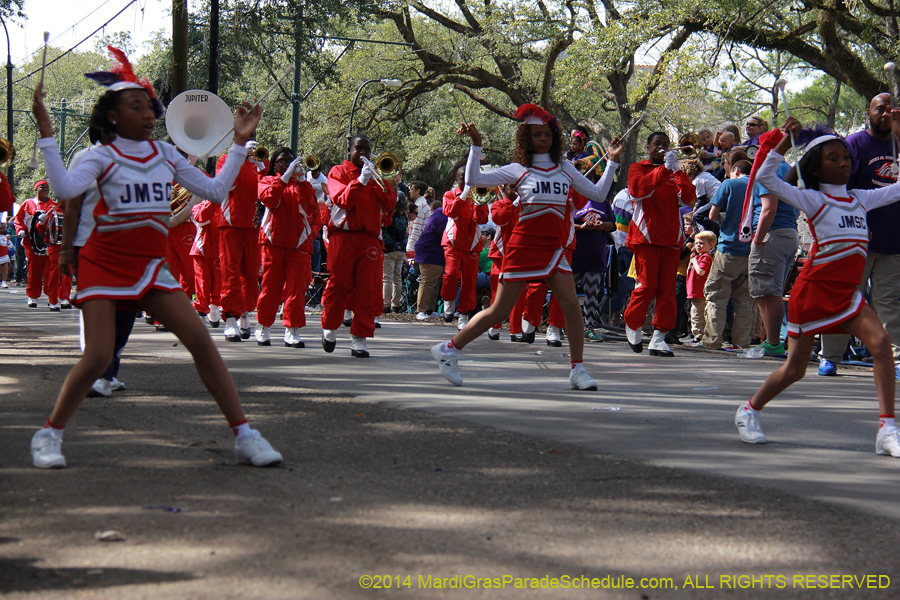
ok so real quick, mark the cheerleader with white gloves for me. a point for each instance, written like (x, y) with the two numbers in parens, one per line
(536, 249)
(124, 257)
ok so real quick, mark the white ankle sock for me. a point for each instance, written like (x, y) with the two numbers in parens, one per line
(577, 366)
(241, 429)
(887, 422)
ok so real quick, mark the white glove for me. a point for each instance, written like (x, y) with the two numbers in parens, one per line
(295, 166)
(366, 175)
(259, 165)
(43, 218)
(21, 235)
(672, 161)
(251, 145)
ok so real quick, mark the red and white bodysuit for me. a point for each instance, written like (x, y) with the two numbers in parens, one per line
(355, 249)
(825, 293)
(462, 247)
(289, 225)
(655, 237)
(205, 255)
(239, 242)
(124, 255)
(36, 263)
(537, 243)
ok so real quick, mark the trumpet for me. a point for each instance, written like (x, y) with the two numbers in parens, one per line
(483, 195)
(311, 162)
(260, 154)
(386, 165)
(7, 152)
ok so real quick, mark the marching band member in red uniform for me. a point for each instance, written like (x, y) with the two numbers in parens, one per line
(355, 249)
(656, 237)
(58, 284)
(505, 214)
(239, 251)
(182, 231)
(537, 244)
(289, 225)
(123, 258)
(38, 267)
(462, 245)
(205, 254)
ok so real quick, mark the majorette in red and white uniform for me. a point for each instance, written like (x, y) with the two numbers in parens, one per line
(289, 225)
(239, 242)
(355, 249)
(182, 231)
(124, 256)
(462, 246)
(655, 237)
(37, 264)
(205, 255)
(825, 293)
(536, 245)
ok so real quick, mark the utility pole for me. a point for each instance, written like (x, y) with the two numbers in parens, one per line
(213, 81)
(179, 46)
(295, 94)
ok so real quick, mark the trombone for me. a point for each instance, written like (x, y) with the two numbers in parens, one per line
(386, 165)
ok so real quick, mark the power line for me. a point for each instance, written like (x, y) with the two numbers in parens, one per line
(74, 25)
(79, 43)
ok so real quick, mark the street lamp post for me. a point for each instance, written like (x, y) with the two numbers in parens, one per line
(385, 82)
(10, 171)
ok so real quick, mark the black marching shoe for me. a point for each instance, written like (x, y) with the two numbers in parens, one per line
(495, 336)
(328, 346)
(658, 345)
(528, 338)
(358, 347)
(635, 341)
(515, 337)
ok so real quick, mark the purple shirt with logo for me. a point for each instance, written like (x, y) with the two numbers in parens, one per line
(871, 170)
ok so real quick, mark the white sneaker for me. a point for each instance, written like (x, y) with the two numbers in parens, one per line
(46, 450)
(116, 386)
(658, 345)
(748, 426)
(581, 380)
(449, 310)
(447, 362)
(231, 331)
(262, 335)
(100, 388)
(358, 347)
(213, 317)
(253, 449)
(420, 316)
(888, 441)
(3, 285)
(554, 337)
(463, 320)
(292, 338)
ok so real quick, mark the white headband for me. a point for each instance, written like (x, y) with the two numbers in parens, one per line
(819, 140)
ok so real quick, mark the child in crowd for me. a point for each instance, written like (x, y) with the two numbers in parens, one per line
(700, 263)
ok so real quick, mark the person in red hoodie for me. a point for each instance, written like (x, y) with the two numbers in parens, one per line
(205, 254)
(462, 245)
(38, 267)
(57, 285)
(355, 249)
(239, 249)
(182, 232)
(505, 214)
(289, 225)
(656, 236)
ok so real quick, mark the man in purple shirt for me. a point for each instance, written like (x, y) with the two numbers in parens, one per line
(872, 155)
(430, 258)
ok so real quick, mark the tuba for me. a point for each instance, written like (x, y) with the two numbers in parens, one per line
(7, 152)
(195, 119)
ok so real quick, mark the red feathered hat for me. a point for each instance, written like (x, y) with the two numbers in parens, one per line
(121, 77)
(532, 114)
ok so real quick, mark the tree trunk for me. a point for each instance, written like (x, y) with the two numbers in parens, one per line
(179, 46)
(832, 110)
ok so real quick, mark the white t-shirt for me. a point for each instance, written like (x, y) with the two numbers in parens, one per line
(317, 183)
